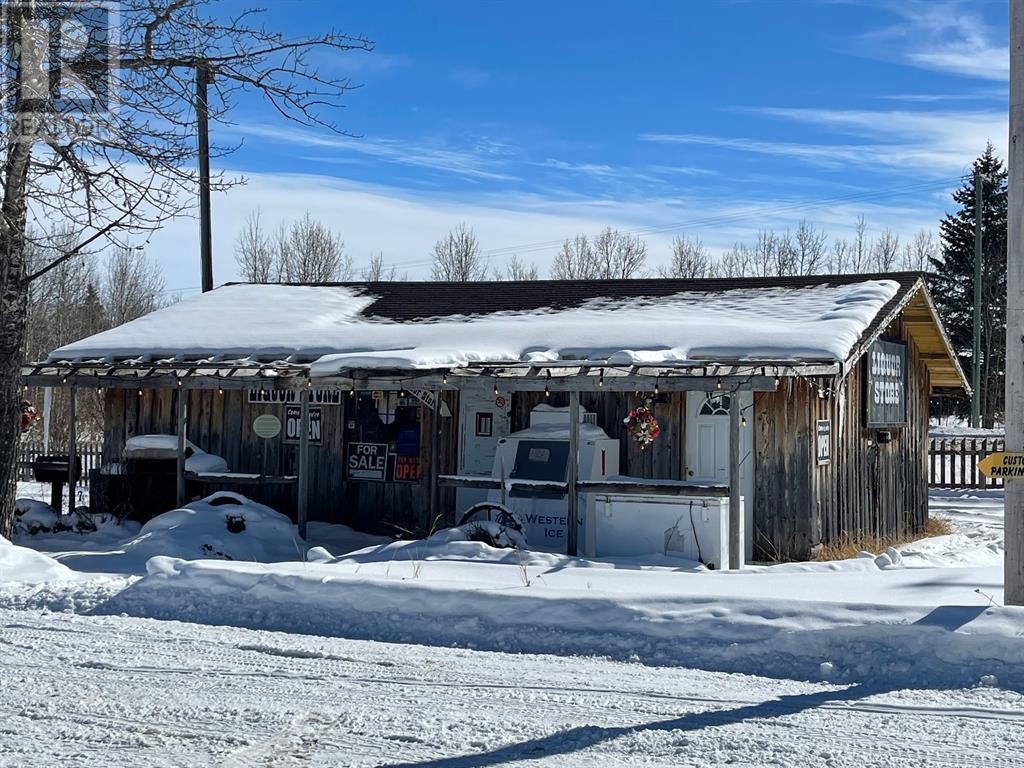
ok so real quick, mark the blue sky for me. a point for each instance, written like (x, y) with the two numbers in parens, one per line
(532, 121)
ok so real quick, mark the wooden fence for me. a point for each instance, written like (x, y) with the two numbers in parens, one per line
(953, 461)
(29, 450)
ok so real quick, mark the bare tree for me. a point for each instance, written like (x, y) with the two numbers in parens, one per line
(254, 250)
(885, 251)
(918, 255)
(107, 171)
(860, 255)
(377, 271)
(519, 270)
(838, 260)
(306, 251)
(811, 245)
(64, 305)
(309, 252)
(618, 255)
(736, 262)
(575, 260)
(132, 286)
(690, 260)
(457, 257)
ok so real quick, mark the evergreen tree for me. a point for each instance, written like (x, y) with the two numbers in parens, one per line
(952, 285)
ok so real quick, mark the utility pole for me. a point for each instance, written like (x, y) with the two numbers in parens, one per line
(979, 183)
(203, 78)
(1013, 576)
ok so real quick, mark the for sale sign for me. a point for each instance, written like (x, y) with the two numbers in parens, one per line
(367, 461)
(885, 395)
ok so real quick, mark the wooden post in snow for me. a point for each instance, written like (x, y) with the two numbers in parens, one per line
(572, 535)
(435, 429)
(72, 450)
(735, 513)
(1014, 522)
(302, 504)
(182, 428)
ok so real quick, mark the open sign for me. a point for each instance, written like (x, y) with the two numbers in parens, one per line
(293, 424)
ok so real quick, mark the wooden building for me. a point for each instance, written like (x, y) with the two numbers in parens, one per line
(373, 404)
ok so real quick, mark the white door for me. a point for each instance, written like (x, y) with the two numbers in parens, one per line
(707, 437)
(707, 448)
(484, 418)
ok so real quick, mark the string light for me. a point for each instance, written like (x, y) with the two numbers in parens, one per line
(496, 393)
(220, 390)
(140, 393)
(718, 384)
(600, 378)
(179, 382)
(352, 392)
(547, 392)
(743, 421)
(444, 377)
(657, 389)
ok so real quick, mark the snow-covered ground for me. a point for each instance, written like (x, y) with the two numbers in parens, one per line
(927, 614)
(902, 659)
(102, 691)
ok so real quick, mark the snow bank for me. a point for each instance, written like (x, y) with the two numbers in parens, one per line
(196, 531)
(32, 516)
(514, 608)
(923, 615)
(20, 564)
(813, 323)
(339, 539)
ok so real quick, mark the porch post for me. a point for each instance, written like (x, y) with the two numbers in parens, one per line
(735, 514)
(572, 544)
(435, 428)
(72, 450)
(303, 484)
(47, 407)
(182, 428)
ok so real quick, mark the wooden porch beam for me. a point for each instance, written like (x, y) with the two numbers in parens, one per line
(182, 427)
(617, 487)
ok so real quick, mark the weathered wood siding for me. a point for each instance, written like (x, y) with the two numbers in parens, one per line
(867, 488)
(221, 424)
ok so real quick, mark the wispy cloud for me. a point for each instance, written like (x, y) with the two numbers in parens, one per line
(932, 143)
(530, 224)
(483, 159)
(947, 36)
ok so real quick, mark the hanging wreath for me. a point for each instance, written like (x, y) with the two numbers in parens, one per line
(28, 415)
(642, 425)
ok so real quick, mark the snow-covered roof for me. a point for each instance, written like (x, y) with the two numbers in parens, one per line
(336, 328)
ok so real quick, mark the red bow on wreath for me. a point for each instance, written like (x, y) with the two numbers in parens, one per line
(642, 425)
(28, 414)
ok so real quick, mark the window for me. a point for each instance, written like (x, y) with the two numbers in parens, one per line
(716, 405)
(391, 424)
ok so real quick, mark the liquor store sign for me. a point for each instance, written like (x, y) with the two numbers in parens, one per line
(885, 396)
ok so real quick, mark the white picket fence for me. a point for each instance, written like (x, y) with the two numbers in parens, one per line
(30, 450)
(953, 461)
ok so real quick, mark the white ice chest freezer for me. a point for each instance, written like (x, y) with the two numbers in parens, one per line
(610, 524)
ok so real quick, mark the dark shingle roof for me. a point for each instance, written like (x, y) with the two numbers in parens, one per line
(405, 301)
